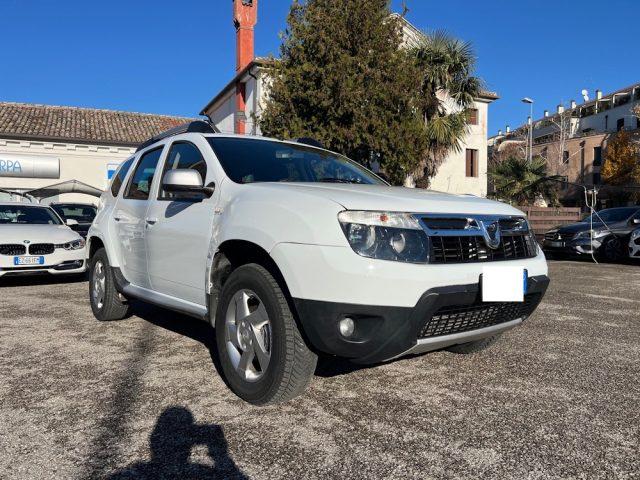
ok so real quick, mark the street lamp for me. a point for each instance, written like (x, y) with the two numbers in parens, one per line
(530, 102)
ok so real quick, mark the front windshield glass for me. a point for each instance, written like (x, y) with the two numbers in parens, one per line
(74, 211)
(27, 215)
(612, 215)
(253, 160)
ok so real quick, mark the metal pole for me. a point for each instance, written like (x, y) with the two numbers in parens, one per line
(531, 134)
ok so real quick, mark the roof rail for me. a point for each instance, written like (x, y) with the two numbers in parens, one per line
(310, 141)
(197, 126)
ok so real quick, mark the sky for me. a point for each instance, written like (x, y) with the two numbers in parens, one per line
(172, 57)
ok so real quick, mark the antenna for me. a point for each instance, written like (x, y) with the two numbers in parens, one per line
(585, 94)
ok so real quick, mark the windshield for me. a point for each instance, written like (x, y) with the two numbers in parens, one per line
(74, 211)
(27, 215)
(254, 160)
(612, 215)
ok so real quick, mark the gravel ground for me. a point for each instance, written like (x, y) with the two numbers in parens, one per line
(141, 398)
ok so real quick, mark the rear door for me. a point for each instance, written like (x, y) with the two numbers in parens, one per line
(179, 226)
(129, 217)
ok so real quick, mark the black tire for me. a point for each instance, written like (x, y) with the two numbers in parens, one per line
(291, 364)
(111, 307)
(612, 249)
(473, 347)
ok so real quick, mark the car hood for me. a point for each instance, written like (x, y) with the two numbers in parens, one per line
(394, 199)
(583, 227)
(37, 234)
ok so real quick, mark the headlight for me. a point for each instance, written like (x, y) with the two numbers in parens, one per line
(385, 236)
(587, 234)
(75, 245)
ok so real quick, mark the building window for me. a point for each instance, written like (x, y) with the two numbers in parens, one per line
(472, 163)
(597, 156)
(472, 116)
(565, 156)
(620, 124)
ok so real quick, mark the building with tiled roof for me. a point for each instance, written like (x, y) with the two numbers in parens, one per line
(42, 145)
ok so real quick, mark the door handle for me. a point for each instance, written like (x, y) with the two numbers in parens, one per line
(152, 221)
(117, 219)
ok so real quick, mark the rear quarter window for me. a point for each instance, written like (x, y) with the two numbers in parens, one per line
(118, 178)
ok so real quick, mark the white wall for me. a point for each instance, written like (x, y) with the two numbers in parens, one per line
(86, 163)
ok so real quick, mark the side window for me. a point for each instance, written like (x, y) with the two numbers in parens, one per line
(118, 180)
(142, 177)
(184, 155)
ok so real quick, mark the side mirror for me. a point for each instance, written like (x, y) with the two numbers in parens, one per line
(185, 181)
(635, 221)
(71, 222)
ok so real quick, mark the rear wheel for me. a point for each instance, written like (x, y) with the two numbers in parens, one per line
(263, 356)
(473, 347)
(106, 302)
(612, 249)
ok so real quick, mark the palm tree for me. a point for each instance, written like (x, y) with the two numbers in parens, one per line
(448, 89)
(520, 181)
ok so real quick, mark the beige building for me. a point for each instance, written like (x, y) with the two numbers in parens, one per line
(574, 139)
(41, 145)
(235, 108)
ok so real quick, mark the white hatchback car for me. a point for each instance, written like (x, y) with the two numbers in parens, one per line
(34, 239)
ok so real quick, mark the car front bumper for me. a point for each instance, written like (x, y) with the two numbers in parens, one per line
(443, 316)
(58, 263)
(583, 246)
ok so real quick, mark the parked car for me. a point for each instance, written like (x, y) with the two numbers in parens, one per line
(604, 234)
(292, 251)
(83, 213)
(35, 240)
(634, 244)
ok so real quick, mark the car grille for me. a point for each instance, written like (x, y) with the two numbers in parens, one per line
(462, 249)
(12, 249)
(41, 248)
(463, 318)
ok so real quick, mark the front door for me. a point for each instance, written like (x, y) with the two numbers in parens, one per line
(130, 215)
(179, 228)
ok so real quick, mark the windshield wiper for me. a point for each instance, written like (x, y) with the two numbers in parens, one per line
(337, 180)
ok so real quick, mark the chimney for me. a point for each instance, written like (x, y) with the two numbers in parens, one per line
(573, 104)
(499, 133)
(560, 109)
(598, 94)
(245, 17)
(508, 129)
(546, 113)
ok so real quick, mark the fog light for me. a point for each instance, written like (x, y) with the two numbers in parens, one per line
(347, 326)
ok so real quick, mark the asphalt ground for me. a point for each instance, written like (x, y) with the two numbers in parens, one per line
(558, 397)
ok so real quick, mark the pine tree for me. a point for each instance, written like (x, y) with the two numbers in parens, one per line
(344, 80)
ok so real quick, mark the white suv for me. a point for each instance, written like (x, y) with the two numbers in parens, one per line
(292, 251)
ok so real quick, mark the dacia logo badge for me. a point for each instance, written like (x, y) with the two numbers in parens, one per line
(491, 233)
(27, 242)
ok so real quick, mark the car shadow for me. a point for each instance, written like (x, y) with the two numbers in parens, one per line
(174, 436)
(203, 332)
(44, 279)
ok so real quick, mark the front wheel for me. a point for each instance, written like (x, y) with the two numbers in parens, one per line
(106, 302)
(612, 249)
(263, 356)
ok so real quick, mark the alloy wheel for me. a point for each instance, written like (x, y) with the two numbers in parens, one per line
(248, 335)
(99, 280)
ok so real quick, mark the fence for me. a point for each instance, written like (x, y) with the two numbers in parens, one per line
(542, 219)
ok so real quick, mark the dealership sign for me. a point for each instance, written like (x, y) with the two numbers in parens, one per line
(29, 166)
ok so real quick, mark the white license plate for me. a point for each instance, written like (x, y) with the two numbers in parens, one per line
(28, 260)
(503, 284)
(556, 244)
